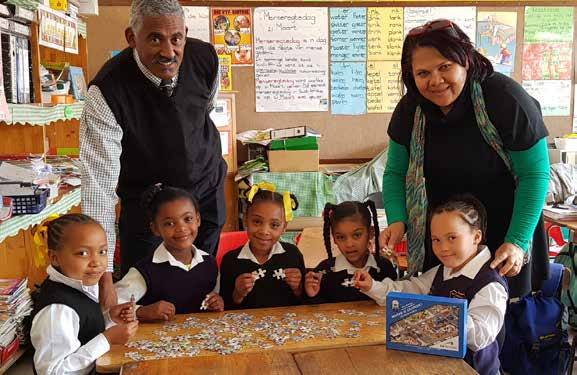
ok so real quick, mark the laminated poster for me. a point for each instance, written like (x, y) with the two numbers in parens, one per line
(232, 34)
(225, 72)
(497, 38)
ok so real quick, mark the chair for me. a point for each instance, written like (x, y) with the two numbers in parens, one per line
(377, 198)
(228, 242)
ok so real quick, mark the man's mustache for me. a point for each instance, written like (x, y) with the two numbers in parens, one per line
(164, 60)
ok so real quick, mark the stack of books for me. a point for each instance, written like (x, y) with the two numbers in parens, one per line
(561, 211)
(15, 305)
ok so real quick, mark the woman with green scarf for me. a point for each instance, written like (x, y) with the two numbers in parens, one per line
(463, 128)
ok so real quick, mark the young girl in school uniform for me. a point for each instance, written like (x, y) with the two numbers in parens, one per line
(68, 327)
(332, 279)
(177, 278)
(457, 234)
(264, 272)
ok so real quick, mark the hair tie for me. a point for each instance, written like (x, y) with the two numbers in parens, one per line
(260, 186)
(288, 205)
(41, 241)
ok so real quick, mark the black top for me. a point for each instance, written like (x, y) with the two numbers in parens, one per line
(90, 318)
(165, 139)
(332, 288)
(184, 289)
(458, 160)
(268, 291)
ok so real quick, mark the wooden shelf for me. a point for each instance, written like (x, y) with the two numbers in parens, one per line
(38, 114)
(12, 360)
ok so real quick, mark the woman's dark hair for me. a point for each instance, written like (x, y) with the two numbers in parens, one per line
(269, 196)
(452, 43)
(470, 209)
(159, 194)
(334, 214)
(56, 229)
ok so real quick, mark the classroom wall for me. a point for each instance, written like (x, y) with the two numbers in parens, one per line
(344, 137)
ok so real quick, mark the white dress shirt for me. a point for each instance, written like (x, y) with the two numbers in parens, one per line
(246, 253)
(486, 312)
(54, 335)
(100, 149)
(341, 263)
(133, 282)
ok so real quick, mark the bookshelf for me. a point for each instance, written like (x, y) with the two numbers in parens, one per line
(34, 129)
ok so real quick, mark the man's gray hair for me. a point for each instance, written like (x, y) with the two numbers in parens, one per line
(154, 8)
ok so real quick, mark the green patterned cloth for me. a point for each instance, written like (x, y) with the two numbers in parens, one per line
(312, 189)
(39, 115)
(22, 222)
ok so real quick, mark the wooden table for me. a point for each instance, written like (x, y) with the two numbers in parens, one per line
(115, 358)
(362, 360)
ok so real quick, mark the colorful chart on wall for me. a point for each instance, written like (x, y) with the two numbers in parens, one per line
(232, 34)
(348, 88)
(348, 34)
(497, 39)
(385, 33)
(291, 59)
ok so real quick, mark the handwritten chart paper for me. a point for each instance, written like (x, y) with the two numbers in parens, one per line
(291, 59)
(465, 17)
(547, 51)
(385, 33)
(383, 91)
(348, 34)
(348, 88)
(197, 19)
(554, 96)
(497, 38)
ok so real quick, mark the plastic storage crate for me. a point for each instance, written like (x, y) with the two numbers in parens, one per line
(30, 204)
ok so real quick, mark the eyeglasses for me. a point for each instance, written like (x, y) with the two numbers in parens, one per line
(432, 26)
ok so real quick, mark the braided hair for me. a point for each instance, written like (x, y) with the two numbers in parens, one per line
(469, 208)
(269, 196)
(56, 229)
(334, 214)
(158, 194)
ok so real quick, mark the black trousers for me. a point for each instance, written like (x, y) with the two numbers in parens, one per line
(137, 240)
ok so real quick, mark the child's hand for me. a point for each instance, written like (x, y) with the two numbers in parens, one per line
(160, 310)
(313, 283)
(215, 302)
(121, 333)
(242, 287)
(363, 280)
(123, 313)
(293, 278)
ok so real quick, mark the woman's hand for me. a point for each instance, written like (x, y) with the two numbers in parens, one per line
(392, 235)
(509, 260)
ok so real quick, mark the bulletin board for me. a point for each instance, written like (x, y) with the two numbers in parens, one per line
(343, 136)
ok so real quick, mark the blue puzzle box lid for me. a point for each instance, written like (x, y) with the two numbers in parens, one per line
(427, 324)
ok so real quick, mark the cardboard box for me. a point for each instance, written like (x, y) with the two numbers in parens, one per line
(427, 324)
(293, 161)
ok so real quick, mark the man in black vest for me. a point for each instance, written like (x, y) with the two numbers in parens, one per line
(146, 120)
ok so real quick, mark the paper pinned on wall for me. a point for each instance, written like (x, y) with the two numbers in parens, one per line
(291, 59)
(348, 88)
(553, 95)
(348, 34)
(548, 24)
(224, 143)
(383, 90)
(197, 19)
(464, 17)
(385, 33)
(497, 38)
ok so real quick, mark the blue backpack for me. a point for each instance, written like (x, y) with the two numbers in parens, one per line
(536, 341)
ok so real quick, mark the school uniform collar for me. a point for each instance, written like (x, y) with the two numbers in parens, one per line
(154, 79)
(471, 269)
(161, 255)
(341, 263)
(89, 290)
(245, 252)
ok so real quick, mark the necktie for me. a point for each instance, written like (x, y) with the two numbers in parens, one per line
(166, 87)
